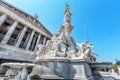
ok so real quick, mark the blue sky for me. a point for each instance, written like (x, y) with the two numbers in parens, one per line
(102, 21)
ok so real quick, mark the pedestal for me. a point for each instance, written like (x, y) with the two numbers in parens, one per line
(62, 68)
(80, 70)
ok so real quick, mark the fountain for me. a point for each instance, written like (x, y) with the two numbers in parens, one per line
(59, 59)
(17, 71)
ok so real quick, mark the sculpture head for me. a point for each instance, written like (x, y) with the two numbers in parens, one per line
(67, 8)
(49, 42)
(62, 47)
(87, 44)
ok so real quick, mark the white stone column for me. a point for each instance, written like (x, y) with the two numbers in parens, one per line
(17, 37)
(26, 41)
(30, 40)
(21, 37)
(9, 33)
(33, 44)
(38, 40)
(2, 19)
(44, 41)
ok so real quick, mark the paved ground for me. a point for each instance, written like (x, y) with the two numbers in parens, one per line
(107, 74)
(1, 78)
(116, 76)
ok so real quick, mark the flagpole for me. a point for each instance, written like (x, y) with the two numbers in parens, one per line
(86, 33)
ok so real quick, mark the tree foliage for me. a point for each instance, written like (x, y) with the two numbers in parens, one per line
(114, 66)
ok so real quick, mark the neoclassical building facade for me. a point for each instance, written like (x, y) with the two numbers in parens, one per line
(20, 34)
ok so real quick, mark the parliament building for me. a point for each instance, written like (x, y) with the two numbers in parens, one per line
(20, 34)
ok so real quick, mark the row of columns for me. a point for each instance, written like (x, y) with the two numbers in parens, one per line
(29, 37)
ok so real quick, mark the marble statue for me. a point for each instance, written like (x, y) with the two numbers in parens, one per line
(67, 14)
(17, 71)
(40, 51)
(61, 44)
(85, 51)
(61, 52)
(11, 72)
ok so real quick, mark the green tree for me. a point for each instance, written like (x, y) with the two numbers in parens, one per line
(114, 66)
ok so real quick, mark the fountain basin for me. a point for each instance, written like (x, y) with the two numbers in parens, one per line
(17, 71)
(62, 68)
(100, 65)
(18, 65)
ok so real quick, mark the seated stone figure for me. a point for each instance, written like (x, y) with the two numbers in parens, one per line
(15, 74)
(40, 51)
(48, 50)
(71, 53)
(10, 73)
(61, 52)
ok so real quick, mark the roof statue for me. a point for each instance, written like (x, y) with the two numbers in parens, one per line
(36, 15)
